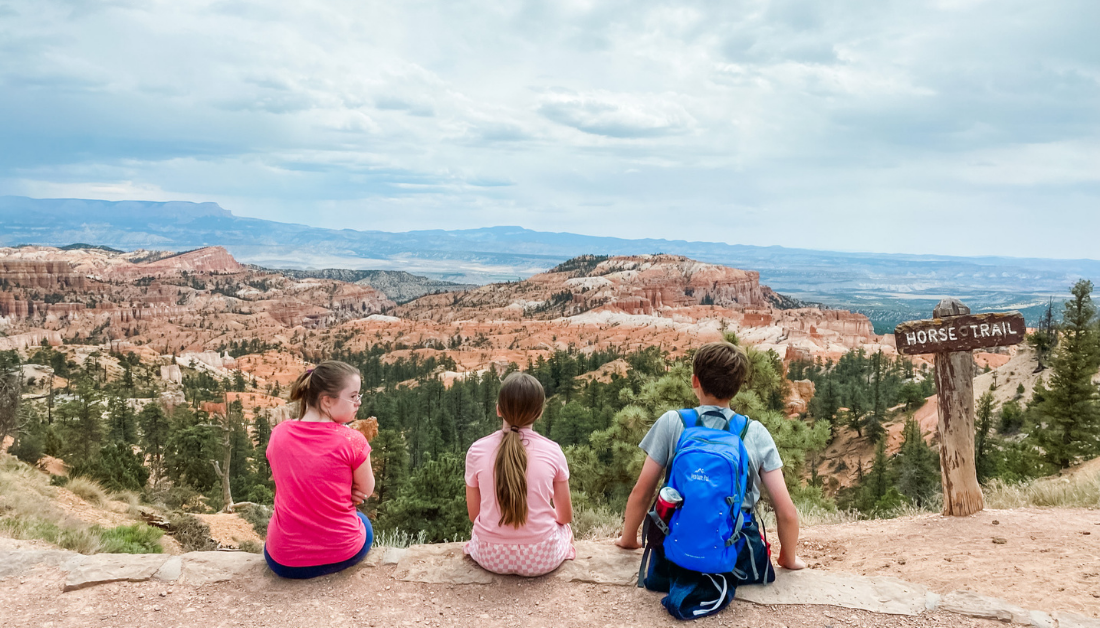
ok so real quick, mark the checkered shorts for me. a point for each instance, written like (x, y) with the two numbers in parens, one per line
(535, 559)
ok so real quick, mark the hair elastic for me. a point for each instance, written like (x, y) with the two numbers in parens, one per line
(515, 429)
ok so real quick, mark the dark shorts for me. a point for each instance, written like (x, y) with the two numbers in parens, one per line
(301, 573)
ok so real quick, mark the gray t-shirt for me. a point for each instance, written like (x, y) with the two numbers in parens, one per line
(660, 444)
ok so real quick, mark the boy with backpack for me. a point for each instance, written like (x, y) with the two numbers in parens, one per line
(706, 541)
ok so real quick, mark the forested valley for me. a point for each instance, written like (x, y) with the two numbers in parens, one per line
(187, 456)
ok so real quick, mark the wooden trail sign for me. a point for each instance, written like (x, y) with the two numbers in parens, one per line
(952, 335)
(960, 333)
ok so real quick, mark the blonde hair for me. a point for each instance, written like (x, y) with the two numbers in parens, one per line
(324, 380)
(520, 402)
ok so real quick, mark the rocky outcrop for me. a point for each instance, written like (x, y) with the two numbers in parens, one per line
(30, 339)
(45, 275)
(640, 285)
(801, 392)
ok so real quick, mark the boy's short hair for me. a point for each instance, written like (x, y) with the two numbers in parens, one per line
(721, 368)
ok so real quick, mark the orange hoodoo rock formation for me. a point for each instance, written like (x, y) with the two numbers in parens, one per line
(641, 284)
(175, 301)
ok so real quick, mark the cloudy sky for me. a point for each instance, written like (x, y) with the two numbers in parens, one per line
(965, 127)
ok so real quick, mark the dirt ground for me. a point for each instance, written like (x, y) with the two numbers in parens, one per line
(369, 597)
(229, 530)
(1049, 561)
(109, 515)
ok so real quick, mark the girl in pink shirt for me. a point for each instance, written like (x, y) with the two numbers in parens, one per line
(322, 470)
(517, 489)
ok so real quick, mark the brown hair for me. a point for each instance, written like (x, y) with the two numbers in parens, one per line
(520, 402)
(324, 380)
(721, 368)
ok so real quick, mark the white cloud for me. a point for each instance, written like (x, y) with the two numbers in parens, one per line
(755, 121)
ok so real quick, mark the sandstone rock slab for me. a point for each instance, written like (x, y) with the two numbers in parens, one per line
(103, 568)
(1073, 620)
(441, 564)
(170, 570)
(811, 586)
(19, 561)
(379, 556)
(199, 568)
(601, 563)
(1039, 619)
(983, 607)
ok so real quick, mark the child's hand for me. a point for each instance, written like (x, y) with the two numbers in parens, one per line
(794, 563)
(357, 496)
(628, 544)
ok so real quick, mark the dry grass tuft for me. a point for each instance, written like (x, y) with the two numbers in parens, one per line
(597, 523)
(88, 490)
(1080, 490)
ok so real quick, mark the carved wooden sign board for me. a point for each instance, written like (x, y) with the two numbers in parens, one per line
(960, 333)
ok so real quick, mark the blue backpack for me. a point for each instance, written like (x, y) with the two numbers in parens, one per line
(711, 471)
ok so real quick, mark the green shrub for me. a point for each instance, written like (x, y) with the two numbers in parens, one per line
(134, 539)
(192, 533)
(117, 468)
(59, 480)
(29, 448)
(258, 516)
(252, 547)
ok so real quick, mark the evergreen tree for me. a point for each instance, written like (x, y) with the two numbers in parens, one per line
(872, 423)
(154, 436)
(11, 392)
(1011, 417)
(193, 442)
(856, 408)
(918, 466)
(82, 421)
(1070, 412)
(121, 423)
(433, 500)
(116, 467)
(878, 495)
(390, 461)
(985, 463)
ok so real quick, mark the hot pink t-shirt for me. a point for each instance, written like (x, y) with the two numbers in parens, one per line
(314, 521)
(545, 465)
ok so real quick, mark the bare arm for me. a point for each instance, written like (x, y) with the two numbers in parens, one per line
(563, 502)
(786, 518)
(473, 502)
(638, 503)
(362, 482)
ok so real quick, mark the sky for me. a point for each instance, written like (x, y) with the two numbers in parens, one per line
(963, 127)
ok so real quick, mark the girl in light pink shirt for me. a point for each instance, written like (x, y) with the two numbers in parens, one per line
(517, 489)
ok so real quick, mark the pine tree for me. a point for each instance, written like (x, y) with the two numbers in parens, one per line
(154, 436)
(11, 392)
(432, 501)
(918, 466)
(1070, 412)
(120, 420)
(390, 461)
(984, 462)
(872, 423)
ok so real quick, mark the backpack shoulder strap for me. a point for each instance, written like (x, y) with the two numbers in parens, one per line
(689, 417)
(744, 428)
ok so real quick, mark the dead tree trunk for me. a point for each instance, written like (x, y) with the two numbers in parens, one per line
(223, 473)
(962, 495)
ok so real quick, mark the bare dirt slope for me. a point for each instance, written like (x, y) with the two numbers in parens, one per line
(370, 597)
(1050, 559)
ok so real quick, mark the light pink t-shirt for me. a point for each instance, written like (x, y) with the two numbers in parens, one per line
(314, 521)
(545, 465)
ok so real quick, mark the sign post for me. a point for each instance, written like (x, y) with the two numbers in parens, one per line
(952, 335)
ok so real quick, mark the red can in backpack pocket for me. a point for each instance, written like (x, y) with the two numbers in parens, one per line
(668, 500)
